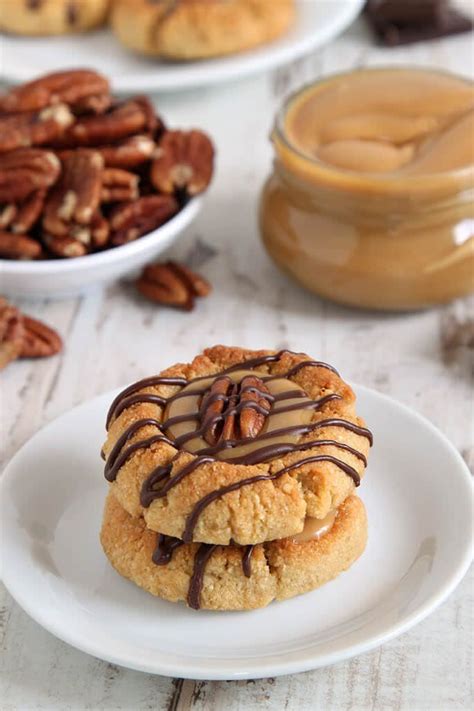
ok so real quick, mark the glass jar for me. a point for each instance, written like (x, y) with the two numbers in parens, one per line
(374, 240)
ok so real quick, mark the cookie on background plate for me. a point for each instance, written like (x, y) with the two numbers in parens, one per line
(199, 29)
(51, 17)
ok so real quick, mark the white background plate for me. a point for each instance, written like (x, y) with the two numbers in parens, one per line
(318, 21)
(419, 500)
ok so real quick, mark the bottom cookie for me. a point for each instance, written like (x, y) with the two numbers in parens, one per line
(232, 577)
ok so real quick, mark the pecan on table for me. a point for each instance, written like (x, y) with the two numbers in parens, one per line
(75, 199)
(39, 340)
(133, 219)
(183, 162)
(71, 87)
(172, 284)
(11, 333)
(232, 411)
(26, 170)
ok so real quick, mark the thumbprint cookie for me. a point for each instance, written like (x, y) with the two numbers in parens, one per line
(237, 447)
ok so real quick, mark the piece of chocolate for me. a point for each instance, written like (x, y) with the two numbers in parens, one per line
(398, 22)
(404, 11)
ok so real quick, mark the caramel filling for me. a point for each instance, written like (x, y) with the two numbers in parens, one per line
(290, 407)
(315, 528)
(403, 121)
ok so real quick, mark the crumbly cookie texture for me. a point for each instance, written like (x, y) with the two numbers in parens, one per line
(265, 510)
(52, 17)
(279, 569)
(193, 29)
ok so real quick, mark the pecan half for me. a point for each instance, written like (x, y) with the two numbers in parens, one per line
(34, 128)
(39, 340)
(232, 411)
(183, 162)
(94, 235)
(70, 87)
(129, 153)
(253, 395)
(75, 199)
(153, 122)
(28, 212)
(134, 219)
(172, 284)
(94, 104)
(120, 121)
(7, 215)
(64, 246)
(213, 405)
(18, 246)
(25, 170)
(118, 185)
(11, 333)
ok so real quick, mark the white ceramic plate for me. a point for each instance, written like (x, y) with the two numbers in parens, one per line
(62, 278)
(419, 500)
(318, 21)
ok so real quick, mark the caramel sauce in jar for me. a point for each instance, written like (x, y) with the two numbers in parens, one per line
(371, 201)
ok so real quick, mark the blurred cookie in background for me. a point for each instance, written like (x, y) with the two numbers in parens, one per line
(197, 29)
(51, 17)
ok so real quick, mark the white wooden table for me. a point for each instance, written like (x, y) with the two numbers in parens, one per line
(113, 337)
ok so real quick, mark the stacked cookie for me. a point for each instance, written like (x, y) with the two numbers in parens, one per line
(232, 479)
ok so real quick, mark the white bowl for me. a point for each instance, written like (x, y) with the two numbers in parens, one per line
(61, 278)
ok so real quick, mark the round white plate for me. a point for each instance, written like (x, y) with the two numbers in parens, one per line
(419, 500)
(318, 21)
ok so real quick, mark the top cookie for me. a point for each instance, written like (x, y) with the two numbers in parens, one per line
(237, 446)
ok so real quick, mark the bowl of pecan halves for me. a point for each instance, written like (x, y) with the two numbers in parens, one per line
(91, 187)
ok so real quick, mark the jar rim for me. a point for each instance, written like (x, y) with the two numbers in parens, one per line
(376, 179)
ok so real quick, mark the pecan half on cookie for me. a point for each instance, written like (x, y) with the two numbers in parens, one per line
(232, 411)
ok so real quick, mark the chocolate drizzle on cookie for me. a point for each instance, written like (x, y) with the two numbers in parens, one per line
(165, 547)
(201, 558)
(163, 554)
(223, 424)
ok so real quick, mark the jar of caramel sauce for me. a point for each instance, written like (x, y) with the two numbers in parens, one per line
(371, 201)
